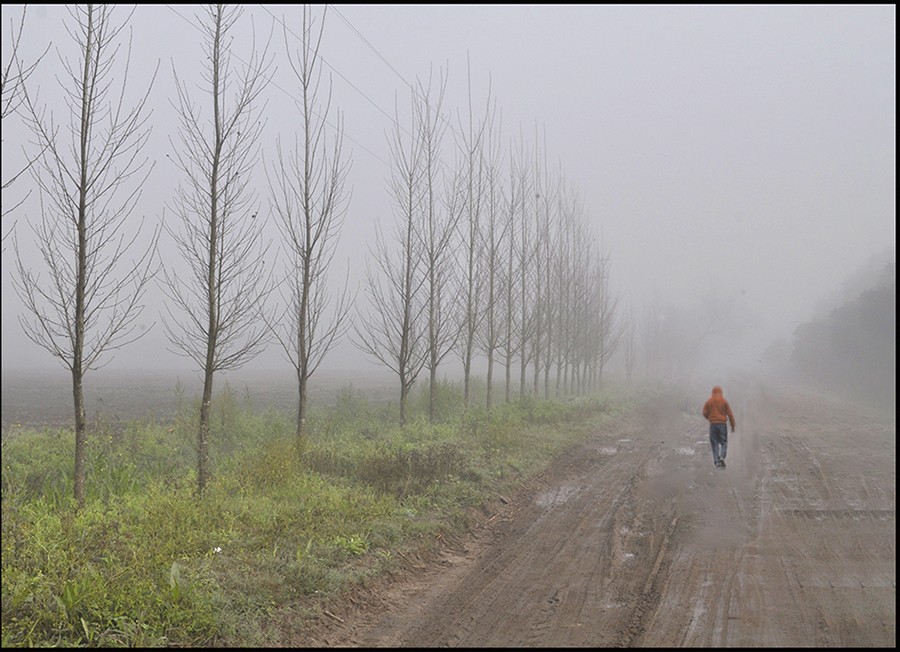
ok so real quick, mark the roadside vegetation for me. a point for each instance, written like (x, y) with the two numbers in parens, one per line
(277, 533)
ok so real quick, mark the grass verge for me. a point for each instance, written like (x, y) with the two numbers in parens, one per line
(275, 536)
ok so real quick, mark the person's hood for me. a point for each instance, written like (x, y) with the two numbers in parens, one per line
(716, 391)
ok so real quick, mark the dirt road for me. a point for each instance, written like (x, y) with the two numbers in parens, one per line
(634, 539)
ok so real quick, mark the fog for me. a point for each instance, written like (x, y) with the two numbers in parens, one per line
(737, 163)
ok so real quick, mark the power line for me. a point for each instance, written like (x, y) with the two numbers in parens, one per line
(449, 124)
(412, 87)
(289, 95)
(336, 71)
(372, 47)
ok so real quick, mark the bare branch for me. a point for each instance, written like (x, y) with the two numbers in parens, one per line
(215, 311)
(308, 188)
(91, 300)
(15, 75)
(392, 332)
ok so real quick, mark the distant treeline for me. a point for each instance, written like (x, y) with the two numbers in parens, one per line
(853, 348)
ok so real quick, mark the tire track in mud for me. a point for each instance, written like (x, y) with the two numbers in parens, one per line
(696, 600)
(636, 541)
(836, 528)
(572, 565)
(650, 594)
(547, 580)
(793, 546)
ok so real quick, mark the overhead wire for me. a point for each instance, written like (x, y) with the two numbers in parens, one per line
(422, 97)
(323, 60)
(292, 97)
(411, 86)
(380, 56)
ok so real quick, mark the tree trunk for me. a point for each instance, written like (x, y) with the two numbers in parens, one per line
(80, 434)
(301, 412)
(404, 391)
(467, 368)
(203, 433)
(522, 375)
(432, 390)
(490, 379)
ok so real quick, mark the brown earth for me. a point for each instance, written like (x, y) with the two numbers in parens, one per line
(634, 539)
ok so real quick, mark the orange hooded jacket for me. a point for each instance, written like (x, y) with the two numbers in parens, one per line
(716, 409)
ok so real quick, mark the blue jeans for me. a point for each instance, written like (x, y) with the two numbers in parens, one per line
(718, 439)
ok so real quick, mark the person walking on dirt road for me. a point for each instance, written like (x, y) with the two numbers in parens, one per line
(718, 412)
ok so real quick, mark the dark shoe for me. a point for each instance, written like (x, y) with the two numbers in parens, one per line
(722, 464)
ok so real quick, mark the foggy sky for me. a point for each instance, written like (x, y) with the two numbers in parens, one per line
(743, 151)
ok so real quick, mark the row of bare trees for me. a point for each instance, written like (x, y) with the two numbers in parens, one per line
(89, 174)
(223, 300)
(491, 255)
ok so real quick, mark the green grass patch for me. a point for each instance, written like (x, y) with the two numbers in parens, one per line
(148, 563)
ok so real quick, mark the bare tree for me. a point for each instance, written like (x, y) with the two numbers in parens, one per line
(677, 337)
(12, 91)
(471, 174)
(215, 309)
(608, 332)
(508, 346)
(495, 231)
(548, 234)
(436, 232)
(393, 333)
(564, 276)
(582, 334)
(541, 263)
(629, 344)
(653, 330)
(523, 207)
(310, 202)
(89, 188)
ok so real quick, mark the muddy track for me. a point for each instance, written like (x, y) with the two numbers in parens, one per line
(633, 539)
